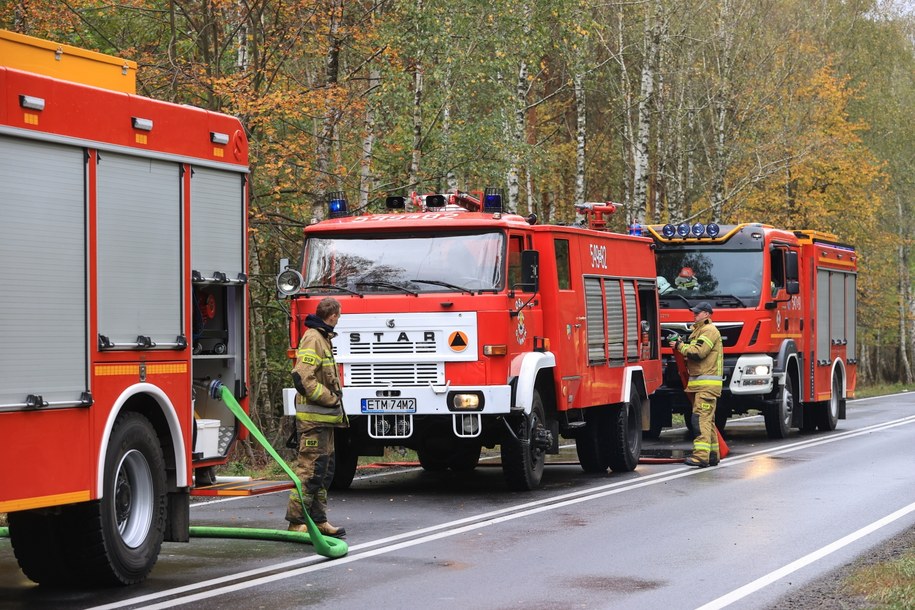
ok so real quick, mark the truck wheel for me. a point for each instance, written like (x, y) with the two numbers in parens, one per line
(36, 536)
(778, 416)
(589, 442)
(523, 458)
(827, 412)
(464, 458)
(346, 459)
(432, 460)
(626, 433)
(116, 540)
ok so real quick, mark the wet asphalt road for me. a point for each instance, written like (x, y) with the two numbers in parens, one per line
(773, 517)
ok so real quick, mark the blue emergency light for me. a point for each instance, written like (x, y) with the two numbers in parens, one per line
(712, 230)
(492, 200)
(698, 229)
(337, 206)
(668, 230)
(683, 229)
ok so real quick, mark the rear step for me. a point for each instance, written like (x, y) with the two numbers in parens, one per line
(251, 487)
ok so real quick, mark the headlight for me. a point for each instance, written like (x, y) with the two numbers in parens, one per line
(759, 370)
(465, 401)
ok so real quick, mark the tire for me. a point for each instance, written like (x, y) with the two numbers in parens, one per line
(626, 433)
(722, 414)
(464, 458)
(116, 540)
(590, 440)
(778, 417)
(346, 459)
(432, 460)
(827, 412)
(36, 536)
(522, 459)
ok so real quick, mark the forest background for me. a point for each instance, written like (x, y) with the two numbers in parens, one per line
(797, 113)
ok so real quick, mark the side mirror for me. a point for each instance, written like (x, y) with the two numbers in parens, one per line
(791, 272)
(793, 287)
(530, 270)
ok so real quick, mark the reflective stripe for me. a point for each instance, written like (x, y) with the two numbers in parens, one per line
(318, 417)
(698, 446)
(705, 340)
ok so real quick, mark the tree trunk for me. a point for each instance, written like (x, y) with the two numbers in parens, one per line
(581, 138)
(332, 113)
(366, 182)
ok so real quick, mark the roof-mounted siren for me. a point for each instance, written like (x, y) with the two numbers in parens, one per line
(492, 200)
(395, 202)
(434, 202)
(337, 206)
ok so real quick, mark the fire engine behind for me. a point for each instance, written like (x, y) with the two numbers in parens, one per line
(785, 304)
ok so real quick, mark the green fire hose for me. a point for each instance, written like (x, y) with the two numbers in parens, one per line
(324, 546)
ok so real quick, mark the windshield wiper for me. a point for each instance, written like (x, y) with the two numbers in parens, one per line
(729, 298)
(444, 284)
(330, 287)
(388, 285)
(664, 297)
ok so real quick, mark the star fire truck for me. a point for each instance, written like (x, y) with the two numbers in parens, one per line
(123, 262)
(466, 327)
(785, 304)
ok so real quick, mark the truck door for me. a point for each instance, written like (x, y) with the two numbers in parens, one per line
(571, 357)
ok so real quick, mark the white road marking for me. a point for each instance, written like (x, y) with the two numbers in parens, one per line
(771, 577)
(467, 524)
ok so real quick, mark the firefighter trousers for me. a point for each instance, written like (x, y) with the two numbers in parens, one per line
(315, 469)
(703, 420)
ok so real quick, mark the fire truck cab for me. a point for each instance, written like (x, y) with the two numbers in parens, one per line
(784, 302)
(465, 327)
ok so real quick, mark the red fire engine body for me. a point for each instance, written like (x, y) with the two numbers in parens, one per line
(464, 327)
(785, 304)
(123, 254)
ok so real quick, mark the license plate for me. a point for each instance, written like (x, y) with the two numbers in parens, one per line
(389, 405)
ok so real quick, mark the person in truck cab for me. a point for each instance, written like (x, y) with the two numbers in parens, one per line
(318, 411)
(705, 364)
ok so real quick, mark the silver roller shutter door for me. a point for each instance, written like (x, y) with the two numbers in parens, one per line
(42, 271)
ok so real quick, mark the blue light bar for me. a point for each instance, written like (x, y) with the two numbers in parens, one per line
(712, 229)
(683, 229)
(698, 229)
(669, 230)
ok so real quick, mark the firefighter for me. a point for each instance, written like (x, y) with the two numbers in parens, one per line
(704, 362)
(318, 411)
(686, 280)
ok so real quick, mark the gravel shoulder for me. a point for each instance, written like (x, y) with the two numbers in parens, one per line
(829, 592)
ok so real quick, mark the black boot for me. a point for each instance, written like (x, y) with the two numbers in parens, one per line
(713, 458)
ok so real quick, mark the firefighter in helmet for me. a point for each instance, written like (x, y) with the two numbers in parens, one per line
(705, 364)
(686, 280)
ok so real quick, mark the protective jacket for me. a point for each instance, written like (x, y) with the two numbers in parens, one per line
(315, 376)
(704, 358)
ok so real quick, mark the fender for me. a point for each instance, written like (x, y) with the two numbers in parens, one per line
(785, 351)
(628, 375)
(174, 429)
(524, 369)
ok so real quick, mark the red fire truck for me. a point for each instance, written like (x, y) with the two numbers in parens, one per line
(466, 327)
(122, 261)
(785, 304)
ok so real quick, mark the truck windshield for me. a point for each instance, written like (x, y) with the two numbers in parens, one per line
(440, 262)
(731, 278)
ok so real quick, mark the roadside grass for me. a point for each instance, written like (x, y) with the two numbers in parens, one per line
(882, 389)
(890, 584)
